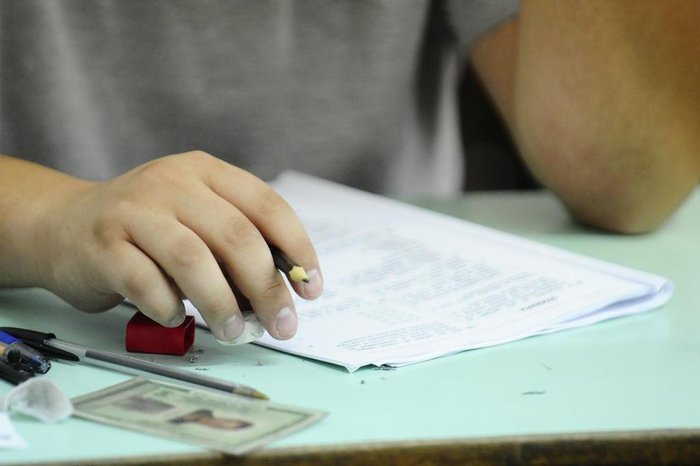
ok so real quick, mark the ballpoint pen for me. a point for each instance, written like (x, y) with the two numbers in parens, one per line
(11, 374)
(30, 359)
(48, 342)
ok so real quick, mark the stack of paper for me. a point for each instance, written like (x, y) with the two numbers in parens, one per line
(404, 285)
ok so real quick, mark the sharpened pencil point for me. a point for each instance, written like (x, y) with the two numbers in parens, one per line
(294, 272)
(298, 274)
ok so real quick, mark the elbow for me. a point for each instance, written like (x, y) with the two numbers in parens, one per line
(630, 207)
(611, 219)
(626, 191)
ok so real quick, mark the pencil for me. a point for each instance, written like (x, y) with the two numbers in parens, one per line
(292, 270)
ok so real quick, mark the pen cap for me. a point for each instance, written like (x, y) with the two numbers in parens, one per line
(36, 340)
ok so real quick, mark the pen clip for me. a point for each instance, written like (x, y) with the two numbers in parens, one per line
(36, 340)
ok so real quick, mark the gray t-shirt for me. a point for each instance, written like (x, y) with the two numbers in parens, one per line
(360, 92)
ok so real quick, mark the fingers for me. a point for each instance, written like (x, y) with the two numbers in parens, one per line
(246, 257)
(276, 221)
(189, 223)
(311, 289)
(187, 259)
(140, 280)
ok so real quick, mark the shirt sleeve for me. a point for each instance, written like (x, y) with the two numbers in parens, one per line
(471, 19)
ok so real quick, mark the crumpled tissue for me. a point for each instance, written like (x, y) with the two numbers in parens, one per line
(38, 397)
(252, 330)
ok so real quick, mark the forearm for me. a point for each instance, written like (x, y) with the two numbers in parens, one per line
(603, 102)
(26, 190)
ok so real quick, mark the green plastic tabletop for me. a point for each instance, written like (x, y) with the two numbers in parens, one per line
(634, 374)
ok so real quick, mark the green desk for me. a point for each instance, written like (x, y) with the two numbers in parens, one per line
(621, 392)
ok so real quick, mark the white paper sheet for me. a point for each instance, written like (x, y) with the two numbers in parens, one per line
(404, 285)
(9, 438)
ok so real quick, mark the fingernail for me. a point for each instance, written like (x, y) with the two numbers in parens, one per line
(232, 328)
(286, 323)
(176, 321)
(179, 318)
(252, 330)
(314, 287)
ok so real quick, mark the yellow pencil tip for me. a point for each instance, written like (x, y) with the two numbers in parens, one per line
(298, 274)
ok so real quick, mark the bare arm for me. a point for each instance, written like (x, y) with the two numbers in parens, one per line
(25, 191)
(187, 224)
(603, 100)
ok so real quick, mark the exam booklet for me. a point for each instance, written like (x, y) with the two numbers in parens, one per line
(405, 285)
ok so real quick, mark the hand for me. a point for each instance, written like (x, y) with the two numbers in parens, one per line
(184, 225)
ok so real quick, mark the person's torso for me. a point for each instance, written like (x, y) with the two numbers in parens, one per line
(338, 89)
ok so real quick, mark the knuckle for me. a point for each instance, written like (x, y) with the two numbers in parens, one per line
(122, 208)
(198, 157)
(165, 170)
(137, 282)
(156, 172)
(239, 232)
(270, 202)
(219, 306)
(177, 172)
(187, 251)
(273, 288)
(198, 154)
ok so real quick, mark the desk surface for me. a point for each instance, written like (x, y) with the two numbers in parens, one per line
(618, 392)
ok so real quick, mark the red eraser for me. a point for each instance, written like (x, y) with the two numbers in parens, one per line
(144, 335)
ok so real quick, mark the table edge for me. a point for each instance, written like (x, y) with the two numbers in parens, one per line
(668, 446)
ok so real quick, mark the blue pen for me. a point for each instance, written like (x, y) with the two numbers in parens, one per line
(32, 359)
